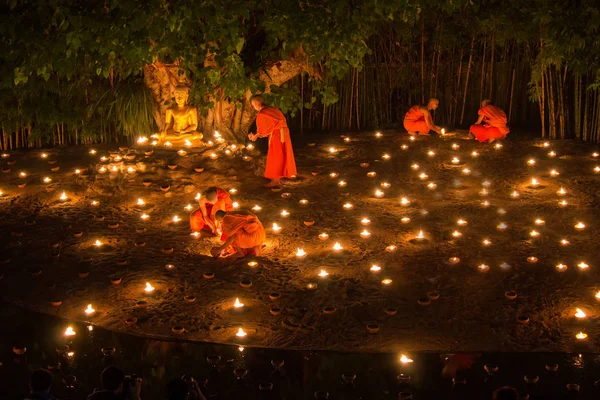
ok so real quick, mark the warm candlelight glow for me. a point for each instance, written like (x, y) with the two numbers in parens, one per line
(144, 216)
(474, 154)
(598, 295)
(580, 226)
(102, 170)
(337, 247)
(561, 191)
(237, 303)
(455, 160)
(583, 265)
(564, 242)
(379, 193)
(561, 267)
(404, 146)
(141, 202)
(486, 242)
(323, 273)
(456, 234)
(514, 194)
(69, 331)
(386, 281)
(240, 333)
(188, 207)
(332, 150)
(149, 288)
(342, 183)
(581, 336)
(284, 213)
(176, 219)
(403, 358)
(187, 143)
(276, 228)
(47, 180)
(498, 146)
(554, 173)
(423, 176)
(365, 234)
(483, 267)
(372, 174)
(303, 202)
(551, 154)
(365, 221)
(405, 220)
(300, 253)
(466, 171)
(22, 174)
(431, 186)
(235, 205)
(579, 313)
(98, 243)
(531, 161)
(89, 310)
(443, 131)
(63, 196)
(378, 135)
(375, 268)
(597, 169)
(213, 156)
(420, 235)
(454, 260)
(323, 236)
(386, 156)
(501, 226)
(455, 146)
(77, 171)
(484, 192)
(92, 151)
(534, 182)
(546, 144)
(348, 206)
(391, 248)
(385, 185)
(461, 222)
(142, 140)
(534, 233)
(404, 201)
(431, 153)
(334, 175)
(95, 202)
(415, 166)
(114, 169)
(256, 208)
(539, 222)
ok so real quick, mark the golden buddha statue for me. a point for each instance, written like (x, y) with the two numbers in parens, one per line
(181, 121)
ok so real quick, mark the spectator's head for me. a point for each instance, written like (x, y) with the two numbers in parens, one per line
(112, 379)
(177, 389)
(506, 393)
(41, 381)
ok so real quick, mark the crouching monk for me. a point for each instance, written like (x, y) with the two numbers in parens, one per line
(243, 234)
(491, 124)
(271, 123)
(418, 121)
(211, 200)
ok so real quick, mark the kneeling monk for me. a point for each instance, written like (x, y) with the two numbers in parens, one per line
(271, 123)
(211, 200)
(418, 121)
(491, 124)
(243, 234)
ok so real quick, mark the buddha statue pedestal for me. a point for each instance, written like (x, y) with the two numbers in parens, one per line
(181, 122)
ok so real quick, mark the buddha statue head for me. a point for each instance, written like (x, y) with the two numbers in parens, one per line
(181, 94)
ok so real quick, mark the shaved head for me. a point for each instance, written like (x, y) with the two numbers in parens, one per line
(433, 103)
(486, 102)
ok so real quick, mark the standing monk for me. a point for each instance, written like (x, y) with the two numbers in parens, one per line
(243, 234)
(491, 124)
(418, 121)
(211, 200)
(280, 157)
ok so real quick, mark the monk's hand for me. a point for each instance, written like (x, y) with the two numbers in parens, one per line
(252, 137)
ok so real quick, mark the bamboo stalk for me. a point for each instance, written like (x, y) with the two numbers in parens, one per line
(512, 93)
(481, 86)
(462, 114)
(423, 61)
(356, 103)
(492, 68)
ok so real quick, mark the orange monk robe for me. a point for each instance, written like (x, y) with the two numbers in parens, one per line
(414, 121)
(197, 222)
(248, 230)
(493, 125)
(280, 157)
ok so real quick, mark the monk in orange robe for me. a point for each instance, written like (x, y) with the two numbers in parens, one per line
(491, 124)
(243, 234)
(211, 200)
(418, 121)
(271, 123)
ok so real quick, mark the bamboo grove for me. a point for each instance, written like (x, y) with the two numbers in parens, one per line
(539, 60)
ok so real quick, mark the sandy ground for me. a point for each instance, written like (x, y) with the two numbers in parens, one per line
(44, 260)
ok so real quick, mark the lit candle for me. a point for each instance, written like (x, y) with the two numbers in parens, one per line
(256, 208)
(303, 202)
(455, 160)
(561, 191)
(456, 234)
(213, 156)
(385, 156)
(22, 174)
(546, 144)
(323, 273)
(498, 146)
(240, 333)
(580, 226)
(420, 236)
(235, 204)
(379, 193)
(188, 207)
(323, 236)
(581, 336)
(102, 170)
(77, 171)
(461, 222)
(89, 310)
(187, 143)
(98, 243)
(404, 147)
(372, 174)
(412, 138)
(582, 265)
(564, 242)
(149, 288)
(378, 135)
(532, 259)
(403, 358)
(332, 150)
(455, 146)
(347, 139)
(531, 161)
(195, 234)
(95, 202)
(300, 253)
(597, 169)
(237, 304)
(554, 173)
(375, 268)
(114, 169)
(386, 281)
(598, 295)
(276, 228)
(501, 226)
(365, 221)
(334, 174)
(474, 154)
(342, 183)
(415, 166)
(405, 220)
(391, 248)
(365, 234)
(385, 185)
(142, 140)
(595, 154)
(485, 203)
(337, 247)
(348, 206)
(63, 196)
(145, 216)
(484, 192)
(466, 171)
(103, 158)
(454, 260)
(534, 233)
(69, 331)
(483, 267)
(284, 214)
(561, 267)
(514, 194)
(563, 203)
(534, 182)
(486, 242)
(431, 186)
(250, 146)
(118, 158)
(233, 191)
(404, 201)
(539, 222)
(176, 218)
(92, 151)
(47, 180)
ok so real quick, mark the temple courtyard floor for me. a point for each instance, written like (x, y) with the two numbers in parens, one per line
(443, 243)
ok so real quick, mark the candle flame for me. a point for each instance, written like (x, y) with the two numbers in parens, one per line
(300, 252)
(365, 233)
(63, 196)
(579, 313)
(386, 281)
(69, 331)
(256, 208)
(276, 228)
(337, 247)
(420, 235)
(241, 333)
(237, 303)
(581, 335)
(583, 265)
(145, 216)
(149, 288)
(403, 358)
(176, 218)
(89, 310)
(375, 268)
(323, 273)
(323, 236)
(98, 243)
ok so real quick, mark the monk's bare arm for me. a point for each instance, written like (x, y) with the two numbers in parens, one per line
(429, 120)
(479, 120)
